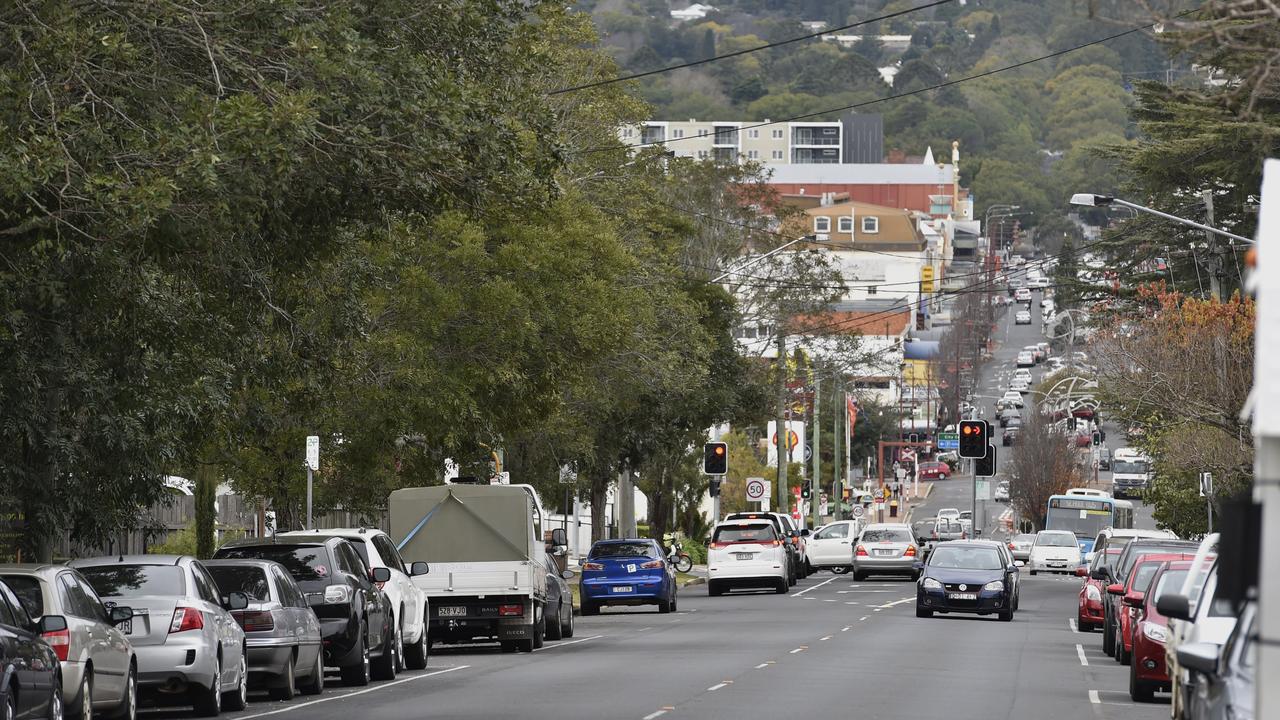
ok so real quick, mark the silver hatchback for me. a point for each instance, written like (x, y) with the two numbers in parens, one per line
(282, 632)
(189, 648)
(885, 549)
(99, 671)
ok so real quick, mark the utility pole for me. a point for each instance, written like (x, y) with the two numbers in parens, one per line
(783, 432)
(1215, 259)
(835, 455)
(815, 486)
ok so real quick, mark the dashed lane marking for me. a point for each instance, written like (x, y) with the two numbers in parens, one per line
(718, 686)
(845, 628)
(824, 638)
(762, 666)
(815, 587)
(567, 642)
(1080, 651)
(1071, 623)
(802, 648)
(864, 617)
(655, 714)
(1093, 697)
(331, 698)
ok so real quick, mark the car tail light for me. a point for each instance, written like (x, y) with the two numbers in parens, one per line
(255, 620)
(775, 543)
(652, 565)
(184, 619)
(1011, 547)
(513, 610)
(861, 551)
(592, 566)
(911, 551)
(60, 641)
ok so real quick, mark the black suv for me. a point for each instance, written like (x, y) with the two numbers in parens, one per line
(355, 616)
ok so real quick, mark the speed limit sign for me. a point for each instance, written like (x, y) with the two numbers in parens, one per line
(858, 511)
(757, 489)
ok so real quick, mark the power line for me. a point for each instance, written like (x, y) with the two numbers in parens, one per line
(736, 53)
(909, 93)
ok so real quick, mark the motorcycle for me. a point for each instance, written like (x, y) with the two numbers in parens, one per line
(677, 557)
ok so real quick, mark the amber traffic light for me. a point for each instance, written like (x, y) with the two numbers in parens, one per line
(715, 458)
(974, 435)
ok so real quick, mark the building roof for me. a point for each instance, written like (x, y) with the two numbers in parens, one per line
(863, 174)
(892, 319)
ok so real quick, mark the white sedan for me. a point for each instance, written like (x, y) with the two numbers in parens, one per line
(1054, 551)
(1026, 359)
(831, 547)
(1022, 318)
(1013, 398)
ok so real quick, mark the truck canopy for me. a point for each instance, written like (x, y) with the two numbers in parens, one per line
(465, 523)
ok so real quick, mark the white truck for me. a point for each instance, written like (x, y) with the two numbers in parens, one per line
(486, 549)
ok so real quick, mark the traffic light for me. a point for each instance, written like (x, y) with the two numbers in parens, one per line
(914, 437)
(986, 466)
(806, 491)
(715, 458)
(1071, 422)
(973, 438)
(714, 487)
(1097, 438)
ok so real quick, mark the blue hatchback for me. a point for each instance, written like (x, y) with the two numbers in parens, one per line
(627, 572)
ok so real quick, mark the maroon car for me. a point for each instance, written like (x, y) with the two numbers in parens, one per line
(933, 470)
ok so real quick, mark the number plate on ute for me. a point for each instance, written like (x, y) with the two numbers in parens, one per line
(622, 588)
(451, 611)
(962, 596)
(744, 556)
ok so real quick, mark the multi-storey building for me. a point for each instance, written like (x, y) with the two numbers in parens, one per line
(857, 138)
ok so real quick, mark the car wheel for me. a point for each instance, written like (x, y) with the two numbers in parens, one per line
(508, 646)
(923, 613)
(664, 606)
(713, 588)
(555, 628)
(85, 706)
(1108, 639)
(208, 701)
(398, 639)
(384, 666)
(1033, 573)
(540, 631)
(591, 608)
(859, 576)
(315, 681)
(357, 674)
(568, 628)
(287, 687)
(128, 709)
(238, 699)
(783, 588)
(10, 709)
(55, 699)
(415, 654)
(674, 593)
(840, 569)
(1139, 690)
(1122, 655)
(1006, 616)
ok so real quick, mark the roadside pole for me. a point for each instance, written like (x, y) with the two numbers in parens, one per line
(783, 434)
(313, 463)
(815, 485)
(973, 470)
(1266, 432)
(836, 496)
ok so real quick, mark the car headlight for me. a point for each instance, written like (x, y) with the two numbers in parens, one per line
(931, 584)
(994, 586)
(1093, 593)
(1155, 633)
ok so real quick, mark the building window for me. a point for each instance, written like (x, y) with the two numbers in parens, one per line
(846, 224)
(777, 154)
(871, 289)
(628, 133)
(702, 154)
(822, 224)
(777, 134)
(870, 224)
(753, 133)
(753, 154)
(677, 133)
(702, 133)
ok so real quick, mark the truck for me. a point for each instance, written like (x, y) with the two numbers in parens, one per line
(1130, 472)
(487, 556)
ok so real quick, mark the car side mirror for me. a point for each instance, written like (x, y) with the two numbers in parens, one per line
(1012, 569)
(1098, 574)
(1134, 599)
(567, 574)
(51, 624)
(1088, 558)
(1172, 605)
(805, 533)
(119, 614)
(559, 538)
(419, 568)
(1082, 571)
(1201, 657)
(917, 565)
(380, 574)
(235, 601)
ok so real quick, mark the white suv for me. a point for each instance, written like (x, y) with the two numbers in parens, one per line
(746, 553)
(408, 601)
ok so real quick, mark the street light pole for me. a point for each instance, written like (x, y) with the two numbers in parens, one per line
(1091, 200)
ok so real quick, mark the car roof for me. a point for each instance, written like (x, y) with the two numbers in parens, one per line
(130, 560)
(347, 533)
(31, 569)
(232, 562)
(307, 540)
(619, 541)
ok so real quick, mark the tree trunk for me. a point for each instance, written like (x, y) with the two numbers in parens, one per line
(599, 496)
(206, 493)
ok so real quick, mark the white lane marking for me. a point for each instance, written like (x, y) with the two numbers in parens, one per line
(845, 628)
(877, 610)
(828, 600)
(655, 714)
(568, 642)
(850, 592)
(1080, 651)
(864, 617)
(644, 628)
(850, 602)
(1071, 623)
(717, 686)
(762, 666)
(343, 696)
(895, 602)
(815, 587)
(1093, 697)
(824, 638)
(802, 648)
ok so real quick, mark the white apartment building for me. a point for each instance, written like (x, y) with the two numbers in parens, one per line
(804, 143)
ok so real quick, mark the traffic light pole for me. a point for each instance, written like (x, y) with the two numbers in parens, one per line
(815, 485)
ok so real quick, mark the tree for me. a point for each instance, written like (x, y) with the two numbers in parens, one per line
(1043, 465)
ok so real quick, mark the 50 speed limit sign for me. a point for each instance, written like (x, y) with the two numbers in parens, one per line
(757, 489)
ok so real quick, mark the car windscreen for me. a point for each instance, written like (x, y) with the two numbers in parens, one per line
(1056, 540)
(887, 535)
(1129, 467)
(1136, 552)
(27, 589)
(1142, 575)
(135, 580)
(248, 579)
(1024, 538)
(630, 549)
(304, 562)
(754, 532)
(949, 527)
(1170, 582)
(962, 557)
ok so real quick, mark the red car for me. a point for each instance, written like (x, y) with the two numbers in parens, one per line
(1089, 612)
(1132, 593)
(1147, 671)
(933, 471)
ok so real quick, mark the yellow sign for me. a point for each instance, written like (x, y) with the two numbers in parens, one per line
(926, 278)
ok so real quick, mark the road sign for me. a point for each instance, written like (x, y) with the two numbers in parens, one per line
(948, 441)
(808, 453)
(926, 278)
(1206, 484)
(313, 452)
(982, 489)
(567, 475)
(757, 489)
(857, 511)
(907, 454)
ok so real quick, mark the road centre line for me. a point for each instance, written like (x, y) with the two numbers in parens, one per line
(845, 628)
(655, 714)
(1093, 697)
(824, 638)
(762, 666)
(802, 648)
(864, 617)
(569, 642)
(383, 686)
(718, 686)
(1080, 651)
(1071, 623)
(815, 587)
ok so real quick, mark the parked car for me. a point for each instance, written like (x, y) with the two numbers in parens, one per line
(831, 546)
(1089, 607)
(933, 470)
(1037, 353)
(281, 632)
(966, 576)
(1118, 573)
(1020, 546)
(558, 615)
(1013, 398)
(1210, 620)
(409, 605)
(1046, 349)
(1148, 672)
(355, 616)
(885, 549)
(189, 649)
(99, 670)
(28, 663)
(1104, 458)
(1131, 595)
(1055, 551)
(1226, 685)
(746, 553)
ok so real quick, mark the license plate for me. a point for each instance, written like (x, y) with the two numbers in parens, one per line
(962, 596)
(622, 588)
(886, 553)
(126, 627)
(451, 611)
(744, 556)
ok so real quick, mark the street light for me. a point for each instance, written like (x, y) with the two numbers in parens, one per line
(1092, 200)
